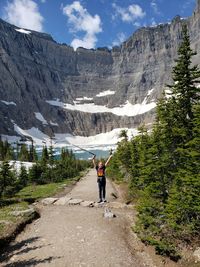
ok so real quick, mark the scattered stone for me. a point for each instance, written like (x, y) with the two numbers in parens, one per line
(108, 213)
(27, 212)
(75, 201)
(62, 201)
(49, 200)
(196, 254)
(87, 203)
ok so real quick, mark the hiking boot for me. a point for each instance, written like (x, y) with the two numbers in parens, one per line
(100, 201)
(104, 200)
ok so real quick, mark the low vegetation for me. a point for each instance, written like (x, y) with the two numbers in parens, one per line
(45, 178)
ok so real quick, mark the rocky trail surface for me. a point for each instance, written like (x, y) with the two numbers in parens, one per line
(75, 231)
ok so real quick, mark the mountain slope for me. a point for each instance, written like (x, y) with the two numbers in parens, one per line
(58, 90)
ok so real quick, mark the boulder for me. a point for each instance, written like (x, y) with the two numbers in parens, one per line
(49, 200)
(75, 201)
(27, 212)
(62, 201)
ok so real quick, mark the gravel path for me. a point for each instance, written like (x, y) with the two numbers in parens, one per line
(76, 236)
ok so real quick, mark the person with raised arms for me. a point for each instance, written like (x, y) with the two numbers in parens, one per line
(101, 177)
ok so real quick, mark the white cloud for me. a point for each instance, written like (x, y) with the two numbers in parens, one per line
(137, 24)
(81, 20)
(129, 14)
(153, 22)
(25, 14)
(154, 6)
(121, 37)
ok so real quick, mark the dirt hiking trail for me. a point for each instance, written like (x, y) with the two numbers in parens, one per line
(76, 234)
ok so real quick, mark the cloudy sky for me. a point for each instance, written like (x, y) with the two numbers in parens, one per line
(92, 23)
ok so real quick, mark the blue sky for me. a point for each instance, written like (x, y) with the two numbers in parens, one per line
(92, 23)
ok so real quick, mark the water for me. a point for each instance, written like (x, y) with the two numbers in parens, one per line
(100, 152)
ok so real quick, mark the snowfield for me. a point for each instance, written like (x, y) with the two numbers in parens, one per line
(109, 138)
(127, 109)
(23, 31)
(102, 141)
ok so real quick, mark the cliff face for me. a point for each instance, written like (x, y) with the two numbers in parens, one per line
(79, 91)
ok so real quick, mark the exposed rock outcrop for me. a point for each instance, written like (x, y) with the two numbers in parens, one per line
(35, 69)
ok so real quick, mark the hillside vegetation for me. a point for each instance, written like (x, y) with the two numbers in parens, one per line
(162, 166)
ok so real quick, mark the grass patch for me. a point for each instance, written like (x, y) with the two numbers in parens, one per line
(6, 210)
(7, 219)
(37, 192)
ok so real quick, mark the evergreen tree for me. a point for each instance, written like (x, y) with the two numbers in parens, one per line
(123, 134)
(7, 179)
(23, 177)
(1, 150)
(35, 173)
(185, 92)
(134, 166)
(6, 151)
(183, 207)
(45, 155)
(32, 154)
(51, 154)
(23, 153)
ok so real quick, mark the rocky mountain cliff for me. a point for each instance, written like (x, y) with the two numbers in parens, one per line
(51, 87)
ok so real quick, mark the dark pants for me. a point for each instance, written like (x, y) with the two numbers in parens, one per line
(102, 187)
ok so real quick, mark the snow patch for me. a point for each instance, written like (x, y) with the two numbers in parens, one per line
(23, 31)
(34, 133)
(9, 103)
(79, 99)
(53, 123)
(105, 93)
(127, 109)
(56, 103)
(150, 91)
(39, 117)
(16, 165)
(146, 98)
(84, 98)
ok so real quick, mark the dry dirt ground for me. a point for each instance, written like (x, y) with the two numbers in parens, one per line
(76, 236)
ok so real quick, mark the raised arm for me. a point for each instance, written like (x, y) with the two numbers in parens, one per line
(108, 160)
(94, 161)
